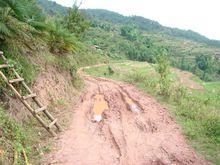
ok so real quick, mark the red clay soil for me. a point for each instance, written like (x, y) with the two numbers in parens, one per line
(150, 136)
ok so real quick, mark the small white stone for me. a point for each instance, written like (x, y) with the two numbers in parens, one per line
(97, 118)
(134, 108)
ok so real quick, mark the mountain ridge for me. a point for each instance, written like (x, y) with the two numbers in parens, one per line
(145, 24)
(149, 25)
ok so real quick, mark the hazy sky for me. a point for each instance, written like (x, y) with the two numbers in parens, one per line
(202, 16)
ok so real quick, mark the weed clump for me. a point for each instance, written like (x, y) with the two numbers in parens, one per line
(14, 140)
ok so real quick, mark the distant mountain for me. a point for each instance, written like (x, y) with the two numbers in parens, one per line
(144, 24)
(148, 25)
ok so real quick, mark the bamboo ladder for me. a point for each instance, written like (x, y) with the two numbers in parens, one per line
(33, 96)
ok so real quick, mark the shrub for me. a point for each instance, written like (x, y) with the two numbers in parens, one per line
(162, 68)
(212, 127)
(59, 39)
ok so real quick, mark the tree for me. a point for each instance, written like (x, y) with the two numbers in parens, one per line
(163, 68)
(205, 63)
(130, 32)
(75, 21)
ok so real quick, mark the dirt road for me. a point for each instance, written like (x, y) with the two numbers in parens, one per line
(134, 130)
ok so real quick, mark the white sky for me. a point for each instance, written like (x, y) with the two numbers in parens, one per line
(202, 16)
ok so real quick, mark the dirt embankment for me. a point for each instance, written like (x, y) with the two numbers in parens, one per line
(147, 135)
(54, 89)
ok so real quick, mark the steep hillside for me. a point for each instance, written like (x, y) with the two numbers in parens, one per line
(143, 23)
(148, 25)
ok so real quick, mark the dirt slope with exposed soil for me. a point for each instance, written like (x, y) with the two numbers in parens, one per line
(147, 136)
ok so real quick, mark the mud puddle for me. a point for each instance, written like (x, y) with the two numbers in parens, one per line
(100, 105)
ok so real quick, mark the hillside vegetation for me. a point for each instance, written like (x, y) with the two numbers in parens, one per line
(124, 37)
(138, 38)
(37, 35)
(148, 25)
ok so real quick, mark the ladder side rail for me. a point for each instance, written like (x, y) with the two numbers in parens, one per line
(15, 72)
(3, 57)
(38, 103)
(27, 105)
(47, 113)
(10, 85)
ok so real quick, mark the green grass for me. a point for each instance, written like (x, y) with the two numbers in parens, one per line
(14, 138)
(198, 112)
(17, 138)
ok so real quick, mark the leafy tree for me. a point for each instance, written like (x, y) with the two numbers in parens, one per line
(75, 21)
(205, 63)
(163, 68)
(147, 42)
(130, 32)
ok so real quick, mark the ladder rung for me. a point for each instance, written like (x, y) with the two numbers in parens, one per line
(51, 124)
(4, 66)
(16, 80)
(29, 96)
(41, 109)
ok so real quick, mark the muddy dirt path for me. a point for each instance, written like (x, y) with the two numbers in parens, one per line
(134, 130)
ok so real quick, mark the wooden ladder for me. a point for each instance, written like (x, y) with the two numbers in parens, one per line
(32, 96)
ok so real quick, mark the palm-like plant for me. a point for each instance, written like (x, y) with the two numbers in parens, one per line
(19, 20)
(60, 40)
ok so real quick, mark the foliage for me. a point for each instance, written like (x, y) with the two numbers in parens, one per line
(148, 25)
(162, 68)
(60, 40)
(119, 39)
(18, 22)
(205, 63)
(75, 21)
(13, 138)
(130, 32)
(138, 38)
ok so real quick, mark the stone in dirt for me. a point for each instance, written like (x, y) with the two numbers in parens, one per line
(97, 118)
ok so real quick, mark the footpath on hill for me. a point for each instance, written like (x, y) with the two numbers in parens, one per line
(115, 123)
